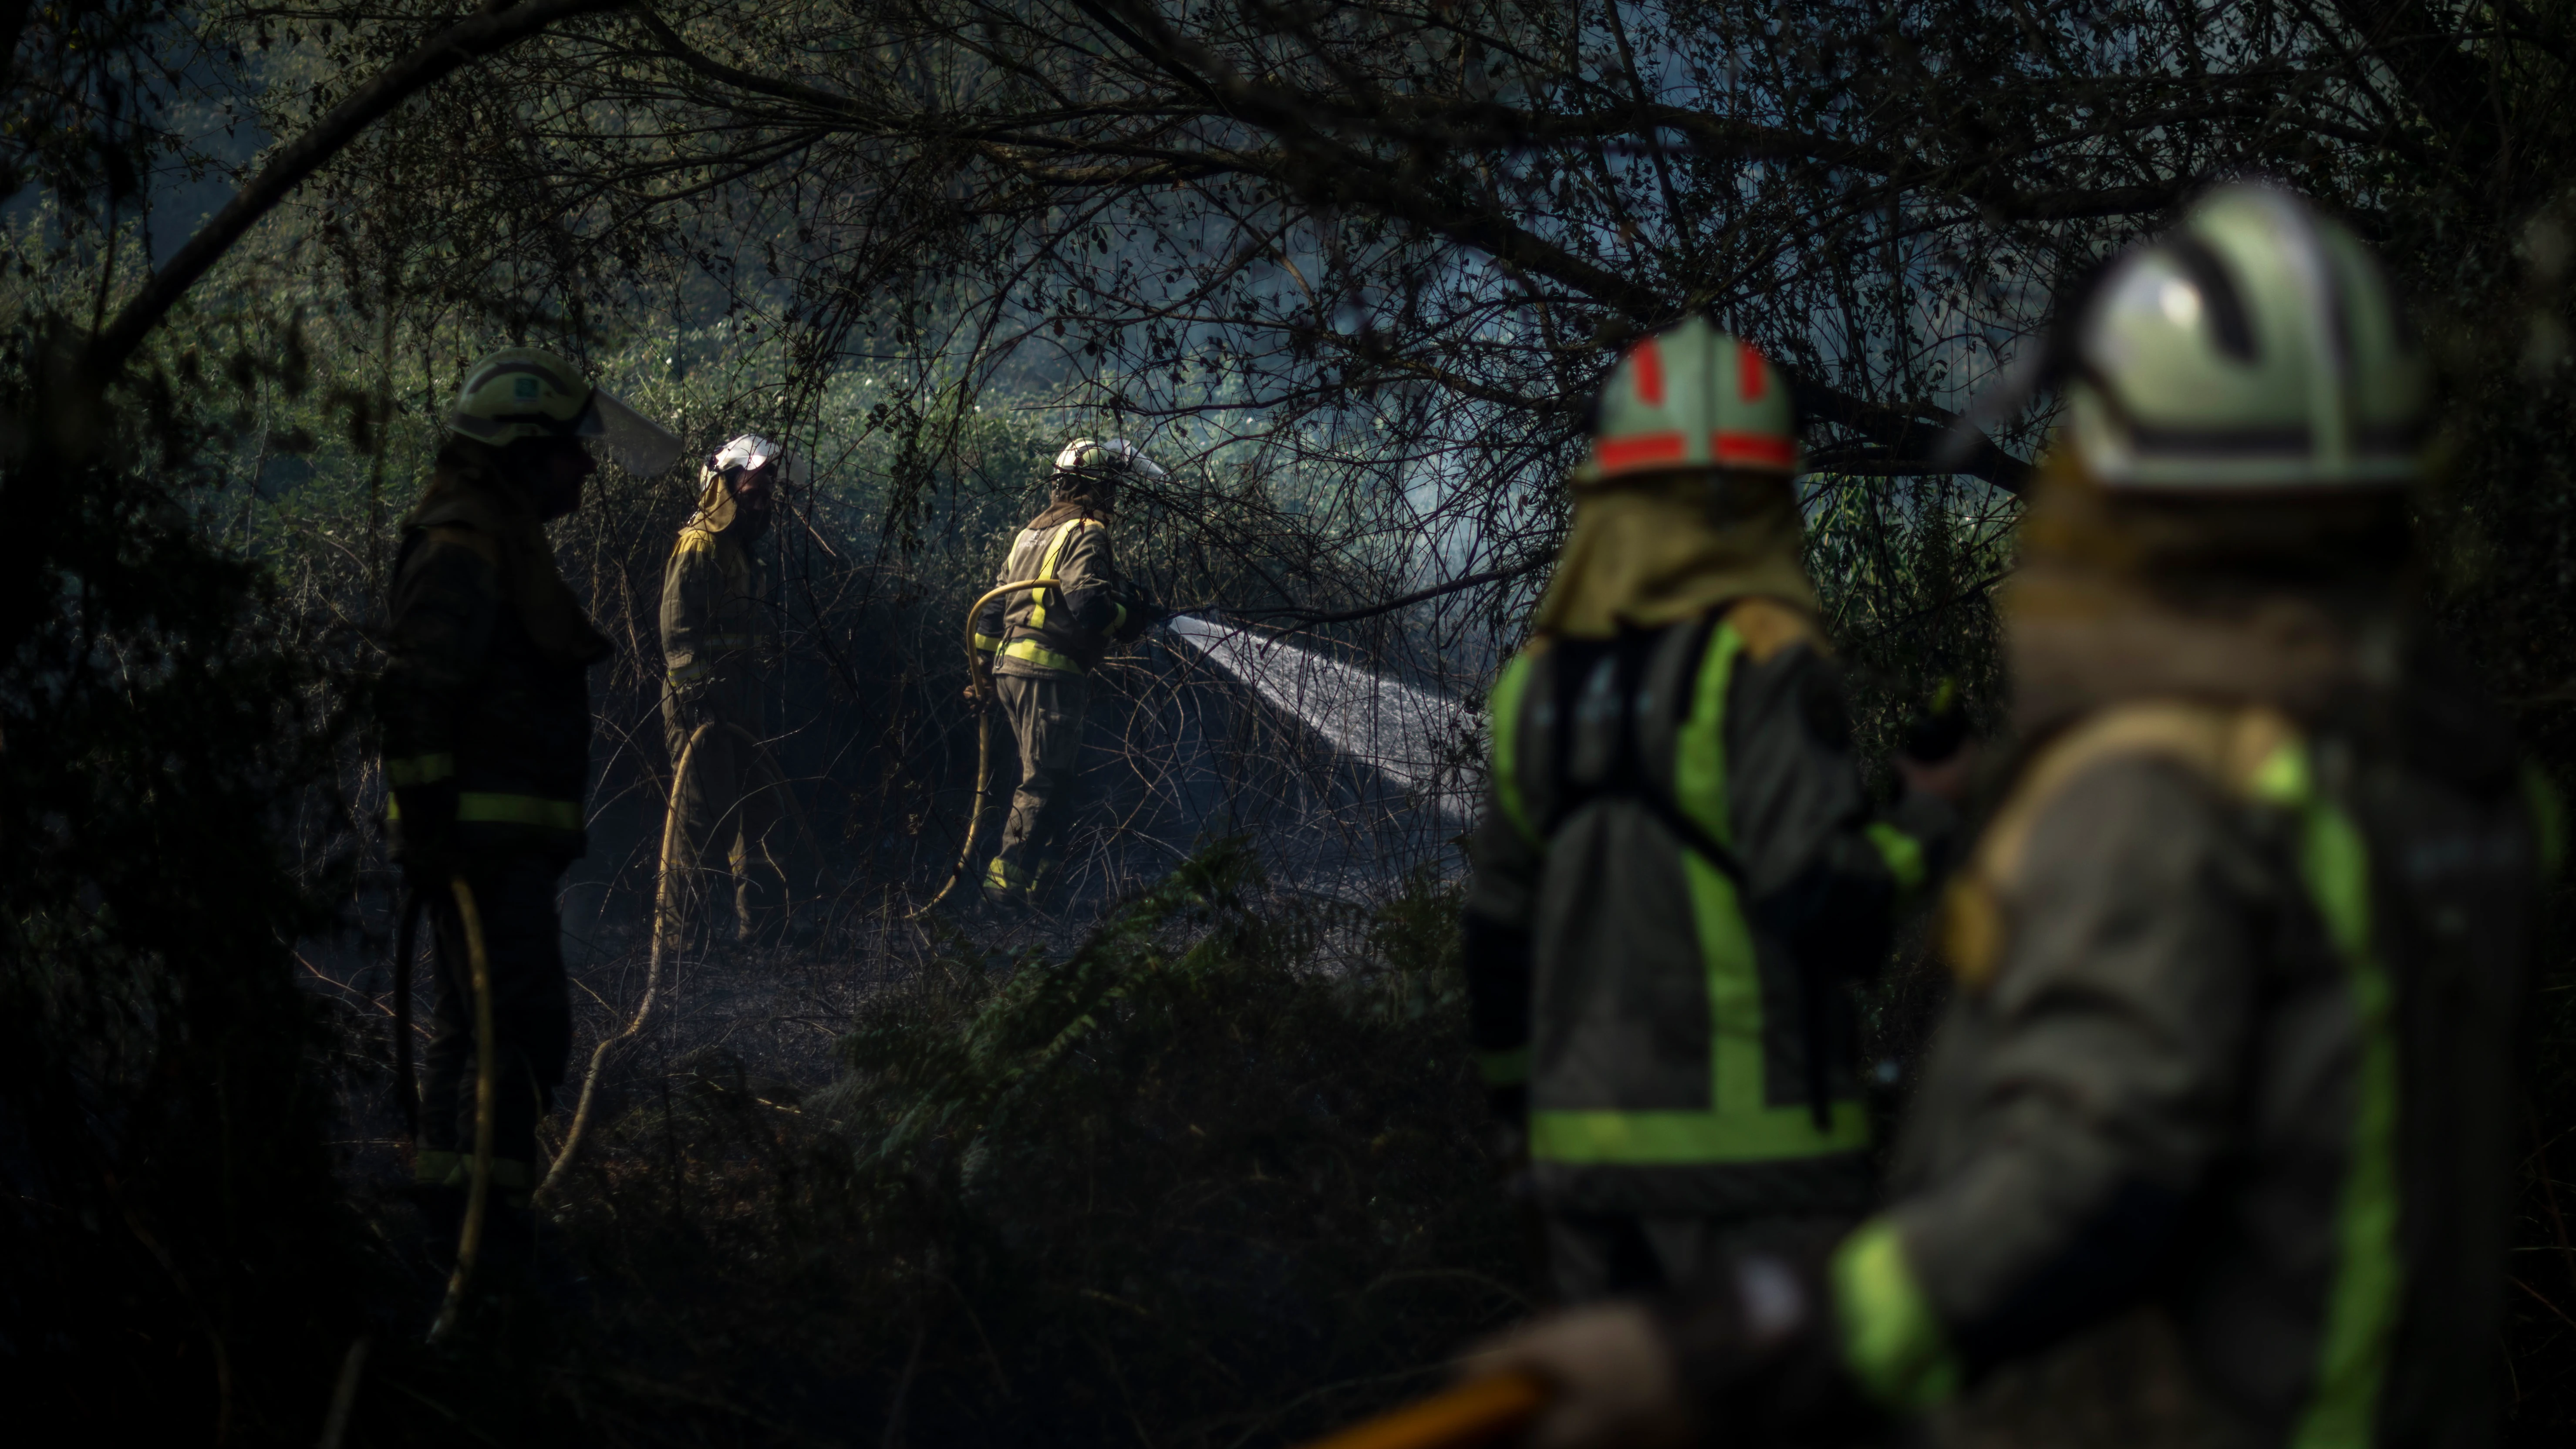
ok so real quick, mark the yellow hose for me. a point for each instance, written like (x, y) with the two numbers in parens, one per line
(653, 967)
(487, 1093)
(1478, 1412)
(981, 688)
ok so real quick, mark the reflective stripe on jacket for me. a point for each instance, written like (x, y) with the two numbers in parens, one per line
(1676, 879)
(470, 696)
(2230, 1071)
(1069, 627)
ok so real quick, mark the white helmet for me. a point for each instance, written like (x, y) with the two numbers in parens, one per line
(1112, 458)
(752, 451)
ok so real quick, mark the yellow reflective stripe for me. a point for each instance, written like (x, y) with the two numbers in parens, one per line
(1040, 655)
(1893, 1342)
(476, 807)
(1903, 854)
(419, 770)
(988, 643)
(1684, 1139)
(691, 672)
(1504, 1069)
(1046, 569)
(1119, 622)
(1699, 756)
(1504, 712)
(2361, 1308)
(1740, 1124)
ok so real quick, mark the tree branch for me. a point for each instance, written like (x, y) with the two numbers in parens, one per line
(434, 60)
(1369, 611)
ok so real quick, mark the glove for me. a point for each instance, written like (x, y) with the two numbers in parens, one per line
(1142, 614)
(424, 832)
(1612, 1379)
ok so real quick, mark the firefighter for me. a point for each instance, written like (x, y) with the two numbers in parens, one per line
(2213, 1147)
(719, 637)
(1044, 643)
(1679, 873)
(485, 714)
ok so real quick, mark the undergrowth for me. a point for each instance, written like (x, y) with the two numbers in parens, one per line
(1215, 1178)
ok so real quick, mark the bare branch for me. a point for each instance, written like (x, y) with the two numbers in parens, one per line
(434, 60)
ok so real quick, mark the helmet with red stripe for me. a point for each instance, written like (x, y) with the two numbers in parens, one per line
(1692, 397)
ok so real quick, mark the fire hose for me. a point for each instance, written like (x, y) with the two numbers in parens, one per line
(487, 1092)
(980, 688)
(662, 932)
(1478, 1412)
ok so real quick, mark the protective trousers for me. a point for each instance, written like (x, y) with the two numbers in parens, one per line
(728, 809)
(531, 1022)
(1046, 719)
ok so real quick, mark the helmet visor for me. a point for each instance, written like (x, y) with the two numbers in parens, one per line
(637, 443)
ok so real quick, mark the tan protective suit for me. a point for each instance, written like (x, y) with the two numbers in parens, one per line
(719, 635)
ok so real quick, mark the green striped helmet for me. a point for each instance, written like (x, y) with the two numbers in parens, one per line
(1691, 397)
(2255, 346)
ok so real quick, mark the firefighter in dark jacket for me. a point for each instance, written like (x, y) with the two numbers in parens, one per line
(1679, 874)
(719, 638)
(485, 713)
(1044, 643)
(2214, 1145)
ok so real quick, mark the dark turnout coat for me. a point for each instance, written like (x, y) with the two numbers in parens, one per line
(486, 675)
(2226, 1096)
(1677, 876)
(1068, 628)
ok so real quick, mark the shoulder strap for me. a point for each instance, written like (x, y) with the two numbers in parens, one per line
(2236, 749)
(1684, 709)
(1767, 626)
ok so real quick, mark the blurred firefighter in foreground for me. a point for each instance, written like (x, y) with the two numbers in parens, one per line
(719, 640)
(1043, 645)
(1678, 875)
(2213, 1146)
(486, 720)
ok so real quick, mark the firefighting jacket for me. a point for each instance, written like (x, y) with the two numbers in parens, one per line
(1068, 628)
(2231, 1062)
(1676, 878)
(486, 677)
(717, 624)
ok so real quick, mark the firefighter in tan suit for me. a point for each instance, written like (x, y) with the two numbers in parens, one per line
(719, 641)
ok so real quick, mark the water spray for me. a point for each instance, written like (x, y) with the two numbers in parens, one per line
(1397, 729)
